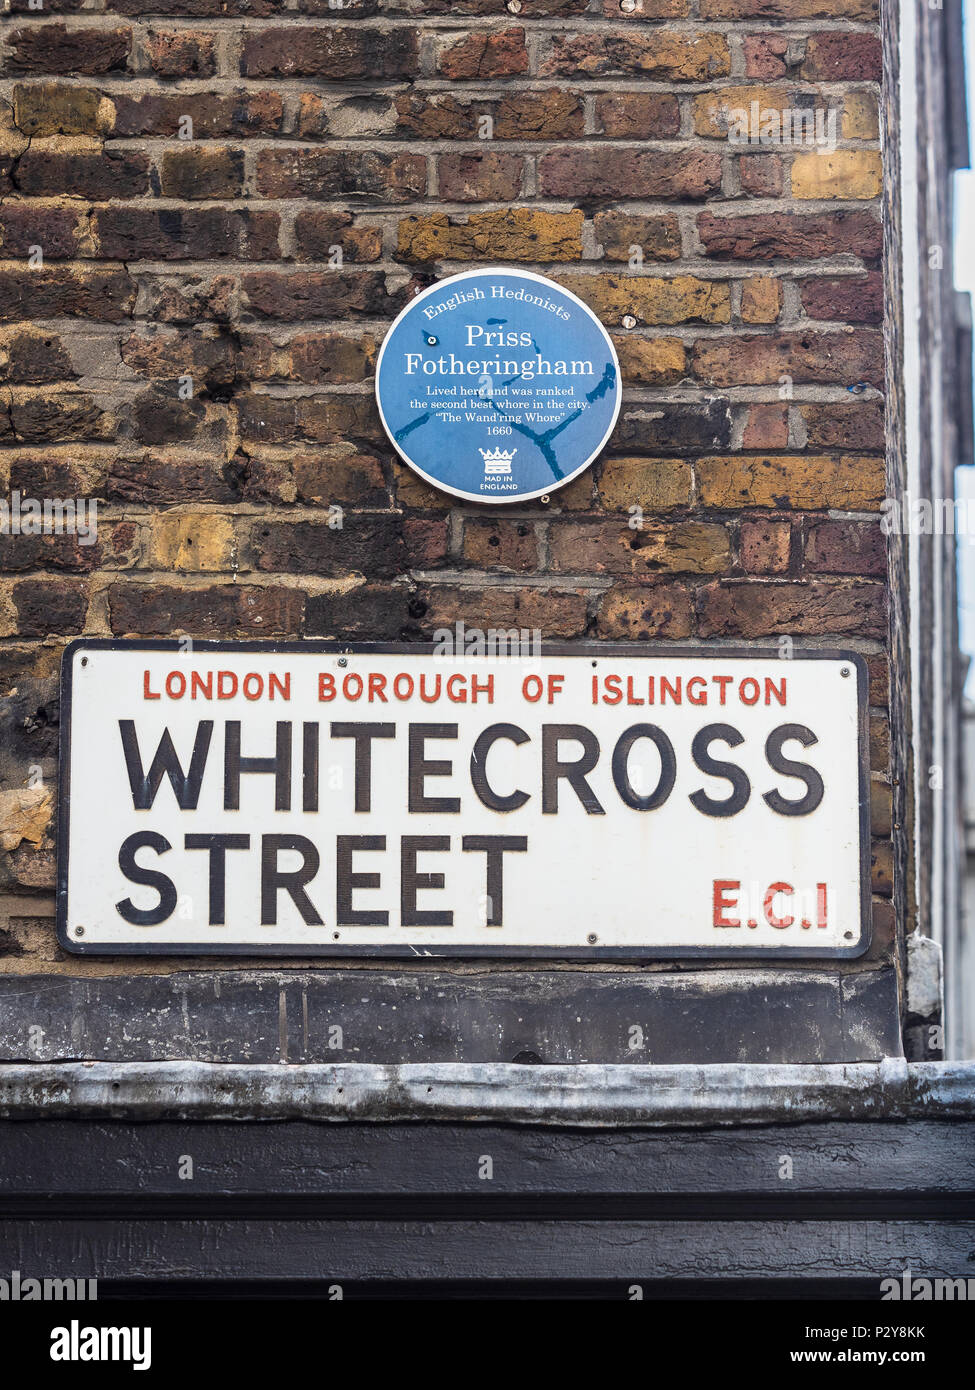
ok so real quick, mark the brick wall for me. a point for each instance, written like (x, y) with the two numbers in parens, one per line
(232, 198)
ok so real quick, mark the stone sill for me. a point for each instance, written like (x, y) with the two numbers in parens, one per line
(594, 1096)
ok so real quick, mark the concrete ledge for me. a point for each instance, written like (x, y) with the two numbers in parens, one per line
(588, 1095)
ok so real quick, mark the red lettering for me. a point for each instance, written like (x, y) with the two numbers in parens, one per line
(535, 682)
(771, 689)
(175, 685)
(672, 688)
(820, 904)
(377, 687)
(326, 686)
(774, 921)
(429, 699)
(284, 686)
(754, 691)
(614, 686)
(722, 682)
(148, 694)
(722, 902)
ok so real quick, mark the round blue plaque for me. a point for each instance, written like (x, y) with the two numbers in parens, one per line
(498, 385)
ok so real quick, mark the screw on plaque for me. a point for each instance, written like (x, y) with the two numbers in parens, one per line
(343, 661)
(592, 938)
(79, 931)
(844, 671)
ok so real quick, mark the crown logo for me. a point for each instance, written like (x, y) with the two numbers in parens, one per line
(497, 462)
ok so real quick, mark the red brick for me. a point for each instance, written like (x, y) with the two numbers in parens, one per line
(54, 48)
(228, 610)
(47, 607)
(766, 427)
(317, 233)
(766, 546)
(200, 172)
(846, 547)
(214, 115)
(310, 294)
(556, 613)
(762, 359)
(637, 115)
(789, 9)
(842, 58)
(765, 55)
(593, 171)
(760, 175)
(844, 425)
(58, 230)
(501, 545)
(181, 53)
(491, 176)
(112, 174)
(135, 234)
(105, 295)
(337, 53)
(817, 608)
(397, 176)
(845, 298)
(658, 238)
(791, 236)
(484, 55)
(658, 55)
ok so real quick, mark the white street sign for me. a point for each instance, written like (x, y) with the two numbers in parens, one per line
(584, 800)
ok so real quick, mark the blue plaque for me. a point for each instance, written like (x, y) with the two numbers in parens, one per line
(498, 385)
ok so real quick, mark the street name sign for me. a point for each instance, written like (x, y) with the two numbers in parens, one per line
(489, 796)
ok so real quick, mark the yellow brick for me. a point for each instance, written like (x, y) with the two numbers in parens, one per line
(860, 117)
(511, 234)
(654, 485)
(650, 361)
(679, 299)
(849, 483)
(761, 299)
(200, 542)
(842, 174)
(720, 111)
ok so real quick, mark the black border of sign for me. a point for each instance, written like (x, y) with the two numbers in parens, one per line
(594, 650)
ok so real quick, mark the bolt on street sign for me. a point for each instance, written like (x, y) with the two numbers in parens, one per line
(583, 801)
